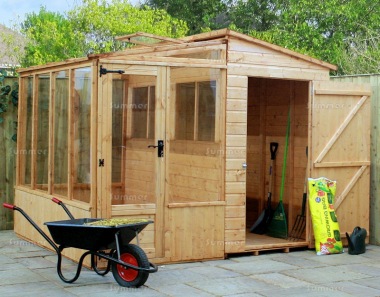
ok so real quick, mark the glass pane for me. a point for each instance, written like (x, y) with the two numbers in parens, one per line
(194, 173)
(139, 112)
(206, 111)
(152, 109)
(25, 152)
(134, 176)
(202, 54)
(42, 149)
(185, 111)
(117, 129)
(61, 133)
(82, 132)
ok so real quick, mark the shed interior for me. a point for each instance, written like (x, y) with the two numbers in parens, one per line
(269, 101)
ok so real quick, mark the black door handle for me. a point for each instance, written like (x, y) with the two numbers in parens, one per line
(160, 146)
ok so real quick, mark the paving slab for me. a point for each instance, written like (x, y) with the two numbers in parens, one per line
(258, 266)
(309, 291)
(370, 269)
(19, 276)
(212, 272)
(42, 288)
(234, 286)
(183, 290)
(324, 275)
(357, 289)
(279, 280)
(372, 282)
(304, 260)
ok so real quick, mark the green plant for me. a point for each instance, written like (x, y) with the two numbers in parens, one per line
(4, 92)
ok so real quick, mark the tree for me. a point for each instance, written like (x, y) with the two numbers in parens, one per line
(337, 31)
(101, 21)
(325, 29)
(51, 37)
(362, 55)
(11, 49)
(91, 28)
(200, 15)
(257, 15)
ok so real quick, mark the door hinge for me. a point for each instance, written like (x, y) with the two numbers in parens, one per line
(101, 162)
(103, 71)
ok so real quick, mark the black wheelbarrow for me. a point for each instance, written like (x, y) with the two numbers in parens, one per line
(128, 262)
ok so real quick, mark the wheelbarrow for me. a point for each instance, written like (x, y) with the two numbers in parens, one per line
(128, 262)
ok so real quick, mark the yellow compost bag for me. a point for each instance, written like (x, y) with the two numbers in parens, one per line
(325, 223)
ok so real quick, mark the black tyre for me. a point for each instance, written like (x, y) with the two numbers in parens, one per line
(128, 277)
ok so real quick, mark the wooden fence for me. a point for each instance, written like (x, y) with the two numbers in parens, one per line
(8, 130)
(374, 81)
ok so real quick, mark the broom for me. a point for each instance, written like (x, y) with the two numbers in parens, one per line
(278, 226)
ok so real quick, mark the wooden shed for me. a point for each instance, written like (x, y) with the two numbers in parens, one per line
(178, 130)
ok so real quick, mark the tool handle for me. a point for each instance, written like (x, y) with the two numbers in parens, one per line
(10, 206)
(285, 157)
(303, 204)
(273, 150)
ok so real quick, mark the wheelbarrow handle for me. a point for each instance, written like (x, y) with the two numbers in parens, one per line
(59, 202)
(56, 200)
(29, 219)
(10, 206)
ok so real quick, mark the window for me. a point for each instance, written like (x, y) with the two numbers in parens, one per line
(82, 132)
(55, 133)
(143, 108)
(25, 153)
(61, 124)
(117, 129)
(195, 111)
(42, 150)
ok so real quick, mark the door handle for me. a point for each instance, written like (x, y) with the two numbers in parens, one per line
(160, 146)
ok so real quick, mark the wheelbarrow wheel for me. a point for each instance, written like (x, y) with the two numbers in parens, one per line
(128, 277)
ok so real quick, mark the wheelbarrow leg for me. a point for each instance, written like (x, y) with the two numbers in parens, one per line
(93, 263)
(59, 268)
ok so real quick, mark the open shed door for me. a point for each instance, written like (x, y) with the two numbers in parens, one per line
(340, 147)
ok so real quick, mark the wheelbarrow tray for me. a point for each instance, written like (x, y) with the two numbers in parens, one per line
(74, 233)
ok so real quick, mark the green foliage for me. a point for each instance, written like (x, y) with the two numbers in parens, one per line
(14, 94)
(257, 15)
(51, 38)
(325, 29)
(200, 15)
(90, 28)
(12, 45)
(4, 91)
(101, 21)
(342, 32)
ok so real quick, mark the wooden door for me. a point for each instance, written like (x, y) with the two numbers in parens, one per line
(194, 183)
(340, 147)
(131, 124)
